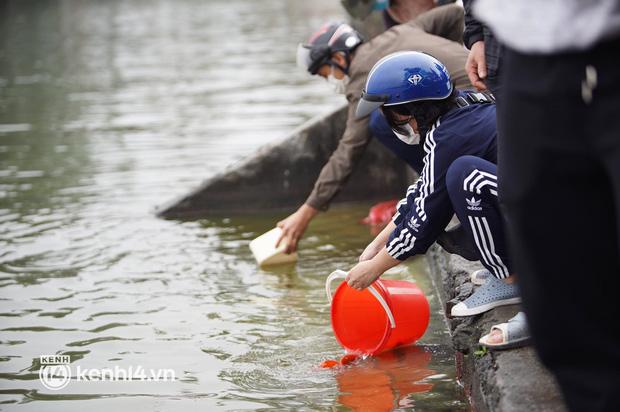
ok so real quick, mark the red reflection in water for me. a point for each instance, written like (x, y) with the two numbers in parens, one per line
(382, 382)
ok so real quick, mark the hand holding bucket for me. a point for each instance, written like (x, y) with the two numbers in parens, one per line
(341, 274)
(387, 314)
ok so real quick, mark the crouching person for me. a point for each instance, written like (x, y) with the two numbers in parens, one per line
(458, 133)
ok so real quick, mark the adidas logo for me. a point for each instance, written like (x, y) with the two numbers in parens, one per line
(473, 204)
(413, 224)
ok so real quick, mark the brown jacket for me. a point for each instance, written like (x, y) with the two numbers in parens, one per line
(415, 35)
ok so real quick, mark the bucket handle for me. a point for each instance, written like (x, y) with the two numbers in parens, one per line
(341, 274)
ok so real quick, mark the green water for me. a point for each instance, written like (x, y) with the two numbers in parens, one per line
(110, 108)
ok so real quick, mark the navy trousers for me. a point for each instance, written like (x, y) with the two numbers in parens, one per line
(472, 187)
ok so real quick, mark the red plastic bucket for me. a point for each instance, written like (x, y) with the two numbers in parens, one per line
(387, 314)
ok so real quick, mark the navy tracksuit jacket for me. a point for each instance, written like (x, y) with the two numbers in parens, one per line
(458, 176)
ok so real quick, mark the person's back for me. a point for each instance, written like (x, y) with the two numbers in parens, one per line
(470, 130)
(407, 37)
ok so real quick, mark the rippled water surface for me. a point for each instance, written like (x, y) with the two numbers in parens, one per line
(109, 108)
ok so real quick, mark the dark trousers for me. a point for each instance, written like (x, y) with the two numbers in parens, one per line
(472, 187)
(559, 174)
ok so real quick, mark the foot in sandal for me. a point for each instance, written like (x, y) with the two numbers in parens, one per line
(508, 335)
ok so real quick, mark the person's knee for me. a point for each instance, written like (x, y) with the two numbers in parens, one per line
(458, 172)
(471, 175)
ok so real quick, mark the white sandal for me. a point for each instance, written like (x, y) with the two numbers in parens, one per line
(515, 334)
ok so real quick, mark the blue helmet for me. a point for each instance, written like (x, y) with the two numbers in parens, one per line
(404, 77)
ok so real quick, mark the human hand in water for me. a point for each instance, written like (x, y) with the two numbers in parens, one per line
(294, 226)
(476, 66)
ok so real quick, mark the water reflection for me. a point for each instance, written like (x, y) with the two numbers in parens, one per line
(108, 108)
(386, 381)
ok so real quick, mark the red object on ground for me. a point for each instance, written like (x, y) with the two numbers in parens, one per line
(381, 213)
(361, 324)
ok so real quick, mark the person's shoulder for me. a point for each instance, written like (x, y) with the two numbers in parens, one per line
(466, 121)
(408, 29)
(437, 15)
(437, 134)
(379, 46)
(486, 110)
(364, 54)
(414, 38)
(478, 111)
(402, 37)
(358, 73)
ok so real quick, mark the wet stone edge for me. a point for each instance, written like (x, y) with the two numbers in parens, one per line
(494, 381)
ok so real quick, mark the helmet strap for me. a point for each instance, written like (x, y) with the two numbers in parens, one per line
(347, 57)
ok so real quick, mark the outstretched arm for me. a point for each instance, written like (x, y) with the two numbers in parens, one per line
(364, 273)
(332, 178)
(378, 243)
(294, 226)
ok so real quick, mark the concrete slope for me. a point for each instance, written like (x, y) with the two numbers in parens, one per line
(281, 175)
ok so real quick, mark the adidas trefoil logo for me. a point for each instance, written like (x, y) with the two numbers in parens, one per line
(413, 224)
(473, 204)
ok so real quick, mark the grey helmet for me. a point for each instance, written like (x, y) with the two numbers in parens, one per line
(332, 37)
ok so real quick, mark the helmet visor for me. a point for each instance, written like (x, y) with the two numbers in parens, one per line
(311, 57)
(368, 103)
(396, 116)
(303, 57)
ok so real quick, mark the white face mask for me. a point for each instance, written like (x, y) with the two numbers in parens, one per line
(339, 85)
(407, 135)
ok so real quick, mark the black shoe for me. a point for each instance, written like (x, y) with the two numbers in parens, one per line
(458, 242)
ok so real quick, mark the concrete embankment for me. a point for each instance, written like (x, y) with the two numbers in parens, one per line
(281, 175)
(505, 381)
